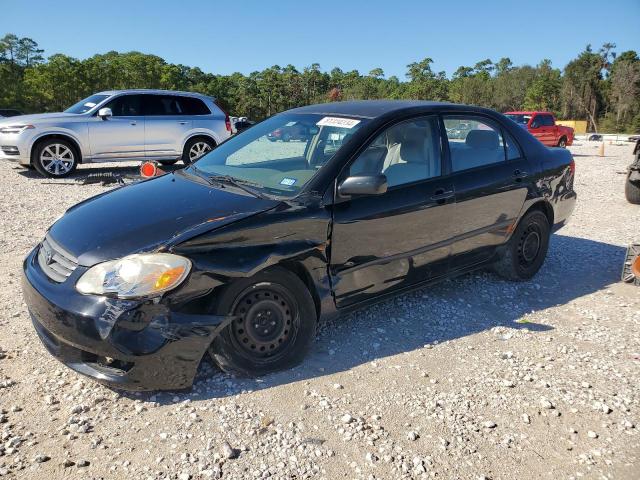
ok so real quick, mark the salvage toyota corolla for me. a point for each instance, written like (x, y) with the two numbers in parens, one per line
(242, 253)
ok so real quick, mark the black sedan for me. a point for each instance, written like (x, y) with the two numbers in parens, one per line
(242, 253)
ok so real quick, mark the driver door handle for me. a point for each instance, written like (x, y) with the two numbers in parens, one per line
(519, 175)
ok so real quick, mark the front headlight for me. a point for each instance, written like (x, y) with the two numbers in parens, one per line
(16, 128)
(135, 276)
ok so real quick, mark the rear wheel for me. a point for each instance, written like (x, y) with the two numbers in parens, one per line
(196, 148)
(274, 328)
(286, 137)
(632, 192)
(563, 142)
(55, 158)
(524, 253)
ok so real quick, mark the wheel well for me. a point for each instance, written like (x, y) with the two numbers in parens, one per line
(545, 208)
(200, 135)
(299, 271)
(73, 143)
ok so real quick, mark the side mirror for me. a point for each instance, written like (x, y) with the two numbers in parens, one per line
(105, 113)
(363, 185)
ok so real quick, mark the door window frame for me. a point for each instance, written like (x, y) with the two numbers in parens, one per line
(343, 174)
(491, 122)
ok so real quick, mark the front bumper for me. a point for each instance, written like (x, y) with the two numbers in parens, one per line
(19, 142)
(126, 344)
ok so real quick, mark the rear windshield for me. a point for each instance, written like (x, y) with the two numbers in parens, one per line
(520, 118)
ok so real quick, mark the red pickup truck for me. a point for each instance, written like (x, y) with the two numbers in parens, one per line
(542, 125)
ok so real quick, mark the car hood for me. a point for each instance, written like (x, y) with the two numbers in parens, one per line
(150, 215)
(37, 118)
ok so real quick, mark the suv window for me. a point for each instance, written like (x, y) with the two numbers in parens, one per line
(162, 105)
(473, 142)
(126, 106)
(405, 153)
(193, 106)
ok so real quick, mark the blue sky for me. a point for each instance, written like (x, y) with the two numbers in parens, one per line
(247, 35)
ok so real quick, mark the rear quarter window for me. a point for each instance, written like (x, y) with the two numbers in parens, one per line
(194, 106)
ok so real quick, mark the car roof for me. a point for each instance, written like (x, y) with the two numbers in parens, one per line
(157, 91)
(529, 113)
(376, 108)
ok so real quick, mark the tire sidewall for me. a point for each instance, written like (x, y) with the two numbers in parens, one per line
(540, 219)
(225, 353)
(190, 143)
(38, 152)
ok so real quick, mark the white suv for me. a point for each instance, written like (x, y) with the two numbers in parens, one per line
(116, 125)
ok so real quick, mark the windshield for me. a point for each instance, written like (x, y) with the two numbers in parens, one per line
(280, 155)
(87, 104)
(520, 118)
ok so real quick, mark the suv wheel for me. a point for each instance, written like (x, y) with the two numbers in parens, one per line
(55, 158)
(562, 143)
(196, 148)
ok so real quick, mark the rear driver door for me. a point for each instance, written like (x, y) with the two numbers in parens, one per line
(492, 179)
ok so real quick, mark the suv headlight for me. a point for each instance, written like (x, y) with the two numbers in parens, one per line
(135, 276)
(16, 128)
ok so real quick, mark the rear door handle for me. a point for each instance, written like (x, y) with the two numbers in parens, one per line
(519, 175)
(133, 122)
(441, 194)
(182, 123)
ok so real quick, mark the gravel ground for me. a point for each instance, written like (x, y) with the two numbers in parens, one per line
(473, 378)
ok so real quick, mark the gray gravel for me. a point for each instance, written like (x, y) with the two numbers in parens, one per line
(473, 378)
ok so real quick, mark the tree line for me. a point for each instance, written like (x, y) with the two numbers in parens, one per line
(598, 86)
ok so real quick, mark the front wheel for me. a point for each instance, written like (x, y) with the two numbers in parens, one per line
(196, 148)
(55, 158)
(562, 143)
(274, 327)
(524, 253)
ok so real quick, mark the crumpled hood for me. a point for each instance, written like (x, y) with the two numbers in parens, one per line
(149, 215)
(38, 118)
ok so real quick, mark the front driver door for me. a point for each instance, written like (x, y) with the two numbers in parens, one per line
(120, 136)
(385, 242)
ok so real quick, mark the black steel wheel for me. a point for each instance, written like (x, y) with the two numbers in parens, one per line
(274, 325)
(523, 255)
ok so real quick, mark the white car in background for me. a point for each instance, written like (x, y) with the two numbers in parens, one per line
(109, 126)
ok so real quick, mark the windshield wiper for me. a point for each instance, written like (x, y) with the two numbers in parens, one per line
(238, 183)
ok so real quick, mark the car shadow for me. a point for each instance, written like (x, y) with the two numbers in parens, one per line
(129, 171)
(453, 309)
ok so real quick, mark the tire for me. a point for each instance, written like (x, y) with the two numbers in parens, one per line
(167, 162)
(524, 253)
(632, 192)
(281, 304)
(286, 137)
(55, 158)
(195, 148)
(562, 143)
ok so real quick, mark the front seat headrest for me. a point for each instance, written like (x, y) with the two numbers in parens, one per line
(487, 139)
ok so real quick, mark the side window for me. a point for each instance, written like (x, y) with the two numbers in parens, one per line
(193, 106)
(547, 121)
(126, 106)
(473, 142)
(513, 150)
(162, 105)
(405, 153)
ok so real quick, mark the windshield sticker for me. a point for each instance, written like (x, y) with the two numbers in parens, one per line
(288, 181)
(90, 104)
(338, 122)
(290, 124)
